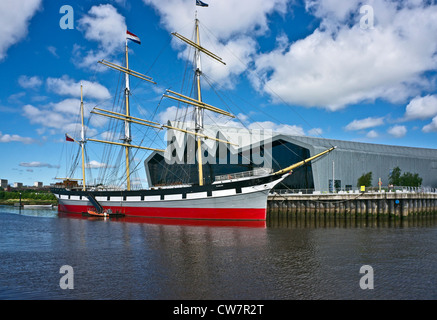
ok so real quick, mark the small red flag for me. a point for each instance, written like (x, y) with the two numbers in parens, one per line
(68, 138)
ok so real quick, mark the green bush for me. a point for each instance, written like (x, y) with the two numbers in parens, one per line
(408, 179)
(27, 194)
(365, 180)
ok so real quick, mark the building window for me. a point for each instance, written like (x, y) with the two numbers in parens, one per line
(337, 185)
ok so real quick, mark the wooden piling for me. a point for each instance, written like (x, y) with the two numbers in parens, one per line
(346, 206)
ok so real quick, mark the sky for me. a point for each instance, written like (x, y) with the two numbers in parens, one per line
(349, 70)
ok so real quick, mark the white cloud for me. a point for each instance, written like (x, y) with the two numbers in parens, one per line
(372, 134)
(62, 117)
(69, 87)
(397, 131)
(105, 26)
(233, 31)
(364, 124)
(29, 82)
(15, 98)
(45, 117)
(120, 2)
(14, 21)
(109, 135)
(279, 128)
(237, 54)
(431, 127)
(421, 108)
(53, 50)
(211, 118)
(93, 164)
(37, 164)
(315, 132)
(226, 17)
(169, 114)
(66, 106)
(341, 64)
(4, 109)
(5, 138)
(333, 10)
(186, 115)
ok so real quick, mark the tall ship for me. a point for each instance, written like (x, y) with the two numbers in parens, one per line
(230, 197)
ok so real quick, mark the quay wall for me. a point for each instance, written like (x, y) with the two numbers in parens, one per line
(350, 205)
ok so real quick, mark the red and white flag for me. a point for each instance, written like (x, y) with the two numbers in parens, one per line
(131, 36)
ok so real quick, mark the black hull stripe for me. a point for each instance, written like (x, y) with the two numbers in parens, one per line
(237, 185)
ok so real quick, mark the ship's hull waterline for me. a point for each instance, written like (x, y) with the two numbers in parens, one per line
(232, 200)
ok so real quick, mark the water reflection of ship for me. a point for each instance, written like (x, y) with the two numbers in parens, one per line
(171, 222)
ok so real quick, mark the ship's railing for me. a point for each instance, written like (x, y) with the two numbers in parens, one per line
(244, 174)
(384, 189)
(291, 191)
(88, 188)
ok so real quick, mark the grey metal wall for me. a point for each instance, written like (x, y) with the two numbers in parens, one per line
(353, 159)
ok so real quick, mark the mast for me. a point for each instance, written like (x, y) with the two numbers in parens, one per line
(198, 111)
(127, 140)
(197, 103)
(127, 134)
(82, 142)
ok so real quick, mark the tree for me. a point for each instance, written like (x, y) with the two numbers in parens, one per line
(365, 180)
(394, 177)
(408, 179)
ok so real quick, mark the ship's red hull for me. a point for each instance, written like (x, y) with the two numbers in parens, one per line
(180, 213)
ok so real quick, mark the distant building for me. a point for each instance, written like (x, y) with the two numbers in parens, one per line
(38, 184)
(4, 183)
(18, 185)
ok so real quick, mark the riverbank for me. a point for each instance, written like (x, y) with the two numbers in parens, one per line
(27, 197)
(11, 202)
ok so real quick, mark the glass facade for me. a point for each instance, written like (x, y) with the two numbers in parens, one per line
(286, 154)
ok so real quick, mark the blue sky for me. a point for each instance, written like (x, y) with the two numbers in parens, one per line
(350, 70)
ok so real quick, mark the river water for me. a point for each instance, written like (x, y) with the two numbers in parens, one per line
(171, 259)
